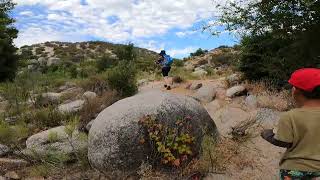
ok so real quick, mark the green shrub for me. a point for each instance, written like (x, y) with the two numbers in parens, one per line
(170, 146)
(268, 57)
(122, 78)
(46, 118)
(178, 63)
(96, 83)
(199, 52)
(126, 52)
(12, 135)
(105, 62)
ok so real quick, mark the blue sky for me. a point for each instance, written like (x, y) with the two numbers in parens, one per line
(168, 24)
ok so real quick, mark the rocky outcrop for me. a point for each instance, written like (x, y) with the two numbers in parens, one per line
(200, 72)
(205, 94)
(71, 107)
(115, 133)
(236, 91)
(50, 98)
(234, 79)
(53, 61)
(89, 96)
(195, 86)
(4, 150)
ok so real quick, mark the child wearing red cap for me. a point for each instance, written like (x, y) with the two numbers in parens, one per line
(299, 129)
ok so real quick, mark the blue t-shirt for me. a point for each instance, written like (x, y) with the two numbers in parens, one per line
(167, 61)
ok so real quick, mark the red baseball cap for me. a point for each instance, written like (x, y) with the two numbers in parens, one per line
(306, 79)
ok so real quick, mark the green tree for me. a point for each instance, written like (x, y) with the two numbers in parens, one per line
(198, 52)
(105, 62)
(278, 36)
(126, 52)
(8, 58)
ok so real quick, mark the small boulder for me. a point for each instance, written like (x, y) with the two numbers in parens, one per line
(55, 139)
(3, 105)
(234, 79)
(50, 98)
(73, 91)
(200, 73)
(32, 67)
(4, 150)
(251, 101)
(189, 67)
(236, 91)
(196, 86)
(42, 61)
(66, 86)
(142, 82)
(198, 69)
(12, 175)
(205, 94)
(71, 107)
(88, 96)
(13, 163)
(53, 61)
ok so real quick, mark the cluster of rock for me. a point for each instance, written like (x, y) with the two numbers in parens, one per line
(200, 64)
(42, 62)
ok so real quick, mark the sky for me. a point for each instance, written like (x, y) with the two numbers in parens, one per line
(173, 25)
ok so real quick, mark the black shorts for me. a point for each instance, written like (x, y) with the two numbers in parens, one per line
(165, 71)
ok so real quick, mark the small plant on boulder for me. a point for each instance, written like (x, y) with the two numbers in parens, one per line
(170, 147)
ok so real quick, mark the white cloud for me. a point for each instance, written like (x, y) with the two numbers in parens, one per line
(135, 19)
(26, 13)
(181, 52)
(182, 34)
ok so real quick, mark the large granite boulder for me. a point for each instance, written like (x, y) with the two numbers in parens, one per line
(115, 133)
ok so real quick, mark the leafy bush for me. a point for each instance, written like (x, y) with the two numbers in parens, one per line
(9, 59)
(105, 62)
(122, 78)
(95, 83)
(199, 52)
(170, 146)
(126, 52)
(95, 106)
(12, 135)
(178, 63)
(45, 118)
(280, 36)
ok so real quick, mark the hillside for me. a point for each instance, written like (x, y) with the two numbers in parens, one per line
(64, 53)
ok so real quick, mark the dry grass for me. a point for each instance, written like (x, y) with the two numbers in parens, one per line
(217, 157)
(95, 106)
(270, 98)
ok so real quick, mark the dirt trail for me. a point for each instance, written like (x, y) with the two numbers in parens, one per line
(253, 159)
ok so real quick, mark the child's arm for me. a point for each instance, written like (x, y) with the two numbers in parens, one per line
(268, 135)
(284, 136)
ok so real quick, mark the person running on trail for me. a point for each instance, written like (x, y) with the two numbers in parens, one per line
(299, 129)
(165, 61)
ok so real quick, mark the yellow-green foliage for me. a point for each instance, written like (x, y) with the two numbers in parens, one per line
(171, 146)
(11, 135)
(53, 137)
